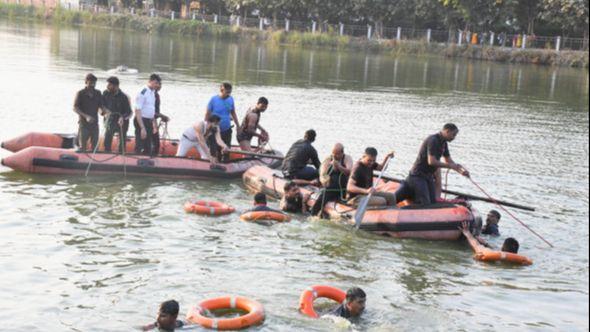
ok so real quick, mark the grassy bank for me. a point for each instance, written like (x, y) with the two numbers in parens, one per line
(326, 40)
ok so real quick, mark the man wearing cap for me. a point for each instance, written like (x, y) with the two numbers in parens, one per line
(86, 105)
(117, 120)
(145, 112)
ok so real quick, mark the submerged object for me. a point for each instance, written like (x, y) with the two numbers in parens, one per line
(67, 161)
(254, 313)
(439, 221)
(122, 69)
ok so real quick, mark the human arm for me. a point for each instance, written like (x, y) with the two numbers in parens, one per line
(432, 151)
(139, 101)
(140, 123)
(387, 157)
(201, 139)
(347, 168)
(313, 155)
(263, 134)
(78, 111)
(235, 118)
(304, 199)
(163, 117)
(351, 187)
(220, 142)
(324, 169)
(454, 166)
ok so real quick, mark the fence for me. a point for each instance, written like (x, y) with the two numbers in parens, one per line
(489, 38)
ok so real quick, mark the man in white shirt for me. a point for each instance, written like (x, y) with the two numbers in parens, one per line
(145, 111)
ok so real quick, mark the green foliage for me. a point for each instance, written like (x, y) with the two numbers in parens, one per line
(328, 40)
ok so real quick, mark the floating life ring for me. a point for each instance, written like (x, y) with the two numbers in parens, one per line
(502, 256)
(208, 208)
(312, 293)
(264, 215)
(254, 316)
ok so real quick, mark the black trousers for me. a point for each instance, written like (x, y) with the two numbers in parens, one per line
(87, 131)
(226, 138)
(325, 196)
(421, 190)
(144, 146)
(156, 141)
(112, 128)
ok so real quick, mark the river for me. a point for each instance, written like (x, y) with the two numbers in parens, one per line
(101, 253)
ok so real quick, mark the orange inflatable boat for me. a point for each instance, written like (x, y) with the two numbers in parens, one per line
(168, 147)
(46, 160)
(435, 222)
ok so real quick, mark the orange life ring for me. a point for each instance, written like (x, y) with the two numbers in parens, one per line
(495, 256)
(208, 208)
(254, 316)
(264, 215)
(310, 294)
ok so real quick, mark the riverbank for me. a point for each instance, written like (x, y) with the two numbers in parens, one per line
(578, 59)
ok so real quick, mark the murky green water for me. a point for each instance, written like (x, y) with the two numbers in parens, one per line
(99, 254)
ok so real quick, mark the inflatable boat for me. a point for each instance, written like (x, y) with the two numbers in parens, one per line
(44, 160)
(441, 221)
(168, 147)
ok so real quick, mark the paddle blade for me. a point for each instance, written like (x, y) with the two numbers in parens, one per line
(360, 212)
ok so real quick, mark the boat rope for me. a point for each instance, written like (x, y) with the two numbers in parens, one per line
(509, 213)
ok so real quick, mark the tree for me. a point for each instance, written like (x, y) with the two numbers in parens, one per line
(526, 13)
(570, 15)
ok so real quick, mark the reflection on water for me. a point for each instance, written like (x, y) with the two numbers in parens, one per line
(100, 253)
(253, 64)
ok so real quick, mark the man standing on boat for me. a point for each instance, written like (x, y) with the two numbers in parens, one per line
(145, 112)
(162, 118)
(86, 105)
(223, 106)
(117, 120)
(251, 124)
(420, 185)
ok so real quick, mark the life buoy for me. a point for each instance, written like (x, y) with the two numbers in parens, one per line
(264, 215)
(312, 293)
(208, 208)
(254, 316)
(502, 256)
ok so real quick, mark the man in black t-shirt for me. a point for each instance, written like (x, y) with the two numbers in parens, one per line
(360, 183)
(117, 120)
(420, 185)
(299, 155)
(86, 105)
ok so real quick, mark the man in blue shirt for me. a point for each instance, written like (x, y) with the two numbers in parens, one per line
(223, 106)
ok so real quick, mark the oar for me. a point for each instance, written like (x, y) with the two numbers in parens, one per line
(254, 154)
(362, 208)
(93, 153)
(473, 197)
(509, 213)
(123, 144)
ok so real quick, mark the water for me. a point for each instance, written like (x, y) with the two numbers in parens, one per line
(100, 254)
